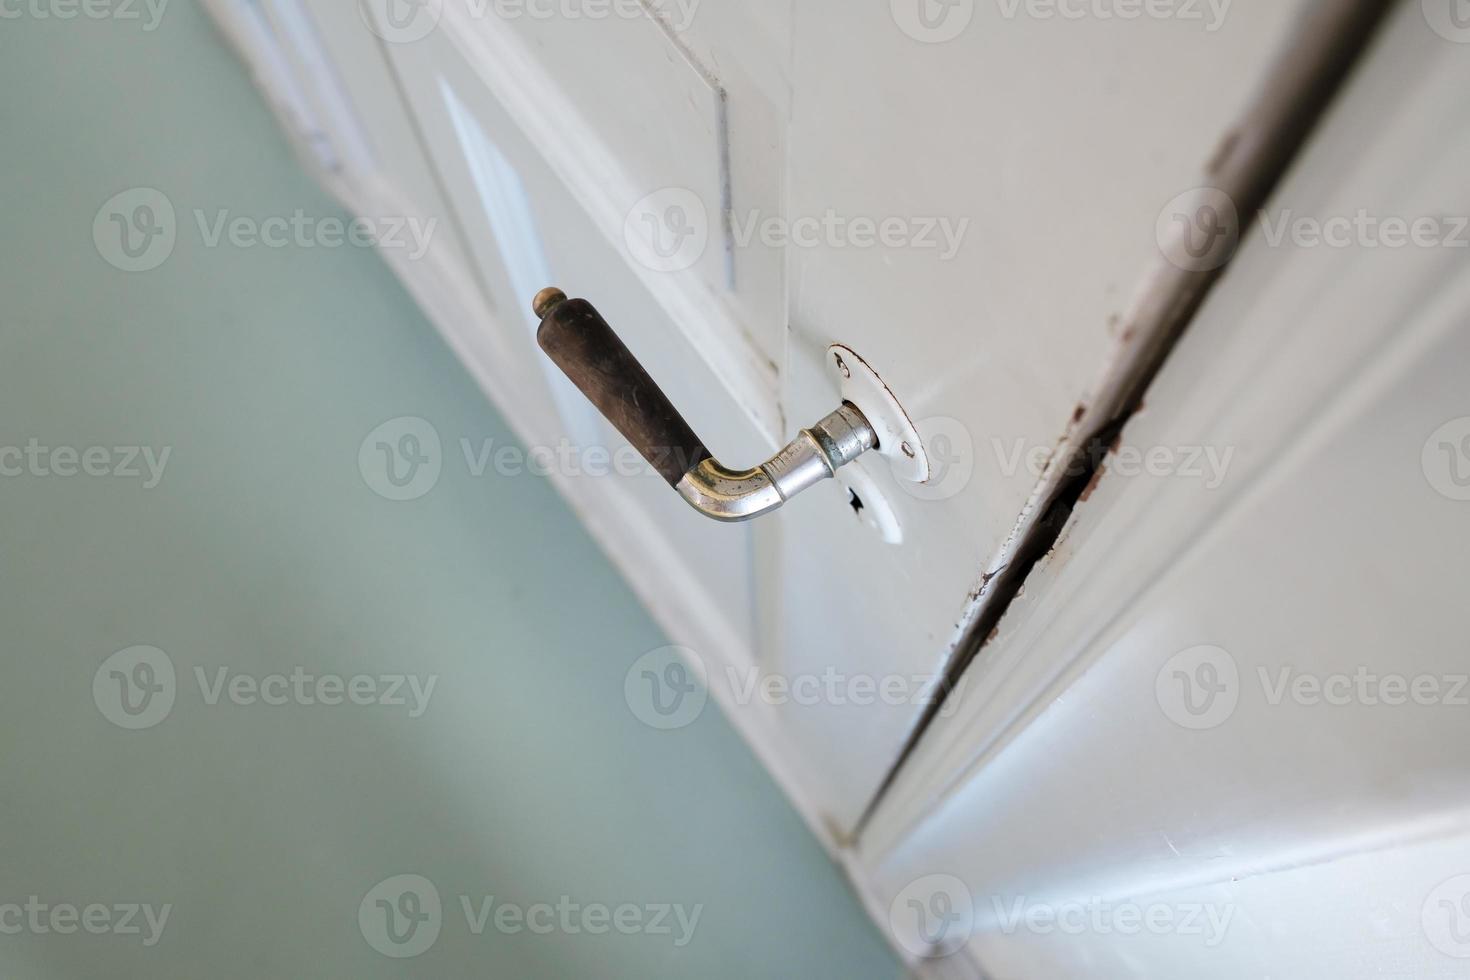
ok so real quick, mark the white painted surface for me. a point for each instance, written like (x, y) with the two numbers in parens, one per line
(1049, 147)
(1331, 379)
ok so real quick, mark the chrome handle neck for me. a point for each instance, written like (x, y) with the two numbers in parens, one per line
(816, 454)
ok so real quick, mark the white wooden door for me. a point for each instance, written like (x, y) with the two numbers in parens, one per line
(1238, 702)
(779, 148)
(977, 198)
(1025, 163)
(1002, 208)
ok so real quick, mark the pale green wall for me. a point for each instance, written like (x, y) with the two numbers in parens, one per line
(262, 549)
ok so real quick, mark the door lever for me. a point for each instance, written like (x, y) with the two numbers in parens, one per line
(589, 352)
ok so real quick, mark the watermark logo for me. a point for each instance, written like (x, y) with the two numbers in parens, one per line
(401, 21)
(40, 918)
(136, 230)
(401, 459)
(1199, 230)
(119, 10)
(135, 688)
(1199, 688)
(932, 21)
(401, 916)
(933, 917)
(1446, 917)
(1446, 459)
(951, 452)
(1450, 19)
(667, 231)
(667, 688)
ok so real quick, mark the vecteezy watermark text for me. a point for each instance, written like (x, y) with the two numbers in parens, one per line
(303, 687)
(677, 15)
(1364, 229)
(301, 230)
(939, 21)
(40, 461)
(1098, 916)
(150, 12)
(936, 233)
(1210, 14)
(407, 21)
(40, 918)
(1208, 465)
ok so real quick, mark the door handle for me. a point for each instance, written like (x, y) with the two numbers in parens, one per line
(576, 337)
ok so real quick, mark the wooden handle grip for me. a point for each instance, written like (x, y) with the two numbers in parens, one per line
(584, 346)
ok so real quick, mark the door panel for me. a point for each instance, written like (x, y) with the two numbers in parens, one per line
(1048, 148)
(655, 145)
(1256, 683)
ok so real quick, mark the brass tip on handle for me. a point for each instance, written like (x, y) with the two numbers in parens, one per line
(547, 300)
